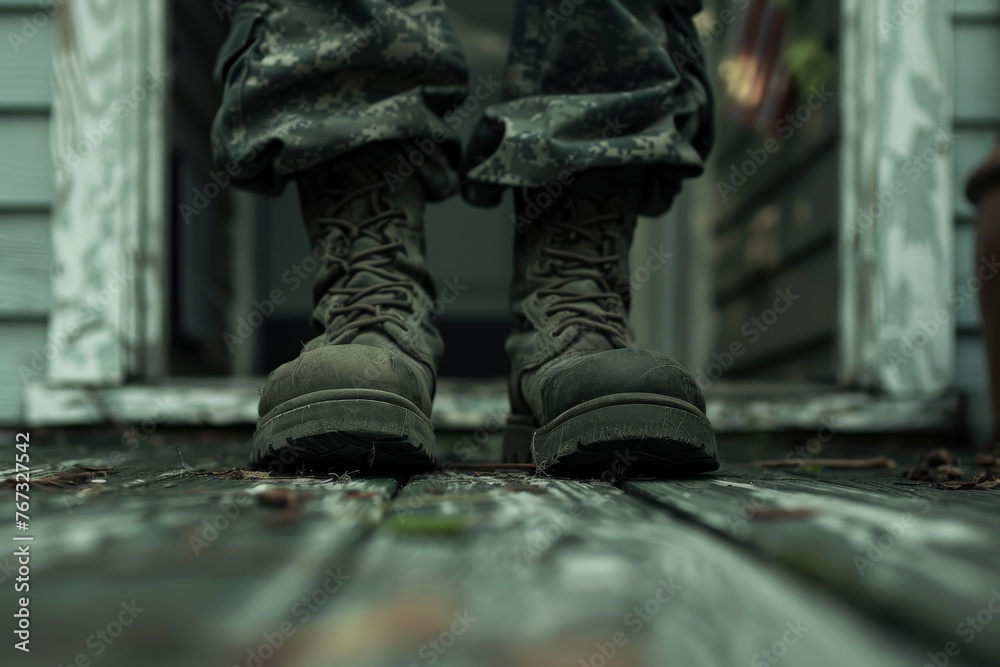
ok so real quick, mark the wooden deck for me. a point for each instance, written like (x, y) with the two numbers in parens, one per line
(165, 561)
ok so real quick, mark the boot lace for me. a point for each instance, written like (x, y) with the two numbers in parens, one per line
(602, 309)
(375, 304)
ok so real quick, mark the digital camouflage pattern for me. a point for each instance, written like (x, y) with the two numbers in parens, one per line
(589, 83)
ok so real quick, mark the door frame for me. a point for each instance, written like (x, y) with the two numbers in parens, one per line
(111, 222)
(897, 234)
(111, 91)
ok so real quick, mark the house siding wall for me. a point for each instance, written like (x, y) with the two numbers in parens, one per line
(26, 38)
(778, 230)
(977, 122)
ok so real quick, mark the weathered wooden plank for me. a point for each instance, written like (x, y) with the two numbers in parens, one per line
(211, 401)
(962, 505)
(536, 570)
(747, 407)
(459, 404)
(871, 482)
(189, 549)
(25, 265)
(924, 566)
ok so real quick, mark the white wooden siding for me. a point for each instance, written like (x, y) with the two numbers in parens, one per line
(25, 202)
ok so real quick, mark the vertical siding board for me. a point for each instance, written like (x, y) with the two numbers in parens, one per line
(859, 99)
(898, 264)
(108, 227)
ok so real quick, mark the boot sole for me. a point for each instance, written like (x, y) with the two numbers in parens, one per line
(326, 432)
(620, 436)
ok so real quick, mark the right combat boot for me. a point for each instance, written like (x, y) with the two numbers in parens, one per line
(359, 395)
(585, 401)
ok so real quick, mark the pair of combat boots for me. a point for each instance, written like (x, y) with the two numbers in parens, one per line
(584, 401)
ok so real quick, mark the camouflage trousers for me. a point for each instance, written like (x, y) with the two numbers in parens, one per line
(589, 84)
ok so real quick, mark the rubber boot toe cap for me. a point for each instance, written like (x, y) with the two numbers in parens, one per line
(621, 371)
(351, 367)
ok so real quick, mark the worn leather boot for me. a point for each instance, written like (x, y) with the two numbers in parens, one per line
(584, 401)
(359, 395)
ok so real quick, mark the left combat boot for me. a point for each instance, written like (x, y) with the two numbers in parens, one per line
(584, 401)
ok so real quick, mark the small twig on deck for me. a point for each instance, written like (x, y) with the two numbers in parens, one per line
(181, 454)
